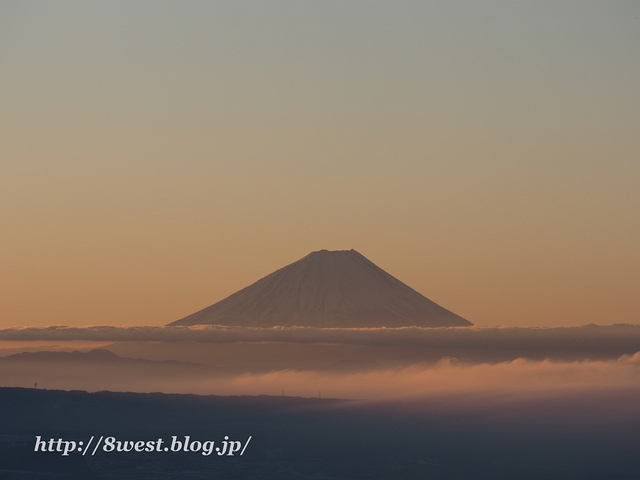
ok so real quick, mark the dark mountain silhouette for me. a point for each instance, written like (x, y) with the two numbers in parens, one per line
(327, 289)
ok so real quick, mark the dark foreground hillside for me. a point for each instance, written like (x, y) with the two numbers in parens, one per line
(592, 437)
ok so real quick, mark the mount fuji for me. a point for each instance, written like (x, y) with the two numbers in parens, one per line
(327, 289)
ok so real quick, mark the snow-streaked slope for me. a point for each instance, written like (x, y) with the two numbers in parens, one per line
(327, 289)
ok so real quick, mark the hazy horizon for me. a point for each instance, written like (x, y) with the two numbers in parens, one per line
(158, 156)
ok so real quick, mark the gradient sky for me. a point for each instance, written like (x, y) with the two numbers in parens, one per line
(155, 157)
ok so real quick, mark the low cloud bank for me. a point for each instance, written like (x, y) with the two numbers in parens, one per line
(519, 378)
(413, 336)
(466, 384)
(479, 343)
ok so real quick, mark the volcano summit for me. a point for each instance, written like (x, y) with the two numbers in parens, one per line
(327, 289)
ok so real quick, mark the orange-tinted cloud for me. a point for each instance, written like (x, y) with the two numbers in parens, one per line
(514, 379)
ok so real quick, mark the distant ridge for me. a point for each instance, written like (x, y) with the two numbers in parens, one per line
(327, 289)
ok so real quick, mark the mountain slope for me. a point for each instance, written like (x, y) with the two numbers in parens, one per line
(327, 289)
